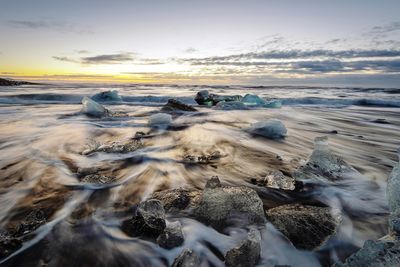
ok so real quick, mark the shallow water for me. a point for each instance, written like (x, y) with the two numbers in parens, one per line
(41, 145)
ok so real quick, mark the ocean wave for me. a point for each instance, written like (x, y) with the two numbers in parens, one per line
(341, 102)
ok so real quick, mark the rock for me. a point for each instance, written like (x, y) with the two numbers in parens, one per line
(253, 100)
(172, 236)
(308, 227)
(174, 105)
(30, 223)
(5, 82)
(219, 206)
(160, 120)
(205, 98)
(93, 109)
(247, 254)
(393, 194)
(114, 147)
(8, 245)
(187, 258)
(375, 254)
(107, 96)
(324, 164)
(213, 182)
(273, 129)
(276, 179)
(203, 159)
(178, 199)
(97, 179)
(149, 220)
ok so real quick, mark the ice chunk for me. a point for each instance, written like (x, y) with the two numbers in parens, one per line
(325, 164)
(160, 120)
(231, 105)
(107, 96)
(393, 194)
(276, 179)
(92, 108)
(253, 100)
(273, 129)
(273, 104)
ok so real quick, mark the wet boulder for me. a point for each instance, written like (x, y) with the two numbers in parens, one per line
(375, 254)
(178, 199)
(8, 245)
(308, 227)
(393, 194)
(174, 105)
(247, 254)
(107, 96)
(324, 164)
(114, 147)
(272, 129)
(187, 258)
(222, 205)
(149, 220)
(172, 236)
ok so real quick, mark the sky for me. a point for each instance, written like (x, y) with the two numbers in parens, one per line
(249, 42)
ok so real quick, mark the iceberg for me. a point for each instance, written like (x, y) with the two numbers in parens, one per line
(253, 100)
(273, 104)
(107, 96)
(160, 120)
(231, 105)
(273, 129)
(92, 108)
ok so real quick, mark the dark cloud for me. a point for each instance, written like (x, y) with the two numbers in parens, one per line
(108, 59)
(190, 50)
(65, 59)
(394, 26)
(58, 26)
(82, 51)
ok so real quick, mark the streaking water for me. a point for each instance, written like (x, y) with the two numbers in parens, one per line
(41, 145)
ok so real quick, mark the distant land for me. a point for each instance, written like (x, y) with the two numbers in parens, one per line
(5, 82)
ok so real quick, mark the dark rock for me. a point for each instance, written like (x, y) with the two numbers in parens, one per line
(149, 220)
(375, 254)
(205, 98)
(247, 254)
(213, 182)
(5, 82)
(172, 236)
(8, 245)
(174, 105)
(220, 206)
(30, 223)
(97, 179)
(381, 121)
(203, 159)
(114, 147)
(334, 132)
(178, 199)
(393, 194)
(188, 258)
(307, 227)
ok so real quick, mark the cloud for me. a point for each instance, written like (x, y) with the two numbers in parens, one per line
(65, 59)
(190, 50)
(388, 28)
(59, 26)
(108, 58)
(82, 51)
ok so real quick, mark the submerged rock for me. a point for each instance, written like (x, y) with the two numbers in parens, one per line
(247, 254)
(375, 254)
(221, 205)
(204, 159)
(393, 194)
(97, 179)
(172, 236)
(8, 245)
(93, 109)
(149, 220)
(107, 96)
(187, 258)
(174, 105)
(160, 120)
(276, 179)
(324, 164)
(178, 199)
(114, 147)
(233, 105)
(273, 129)
(308, 227)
